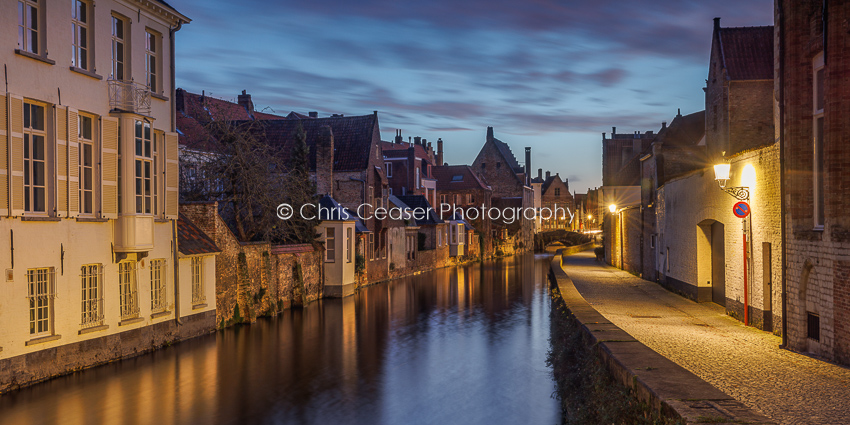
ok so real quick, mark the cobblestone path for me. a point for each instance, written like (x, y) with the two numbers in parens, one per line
(744, 362)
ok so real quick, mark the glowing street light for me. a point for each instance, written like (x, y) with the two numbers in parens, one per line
(612, 208)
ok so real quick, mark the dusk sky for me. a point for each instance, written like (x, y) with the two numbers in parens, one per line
(548, 74)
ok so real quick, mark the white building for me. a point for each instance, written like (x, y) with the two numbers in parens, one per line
(88, 187)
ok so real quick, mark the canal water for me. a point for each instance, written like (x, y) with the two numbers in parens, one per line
(463, 345)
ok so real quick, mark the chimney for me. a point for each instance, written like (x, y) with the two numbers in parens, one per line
(245, 101)
(548, 175)
(540, 173)
(313, 114)
(325, 161)
(398, 138)
(613, 131)
(440, 151)
(663, 125)
(716, 24)
(411, 171)
(178, 100)
(679, 113)
(528, 165)
(417, 140)
(489, 134)
(603, 136)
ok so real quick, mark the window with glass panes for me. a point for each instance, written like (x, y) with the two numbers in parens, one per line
(198, 295)
(127, 291)
(80, 29)
(119, 53)
(158, 285)
(92, 296)
(86, 152)
(817, 138)
(151, 61)
(143, 168)
(40, 291)
(28, 26)
(35, 164)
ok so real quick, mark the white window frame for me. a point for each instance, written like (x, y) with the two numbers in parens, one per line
(120, 44)
(87, 210)
(91, 285)
(348, 242)
(28, 26)
(330, 245)
(152, 74)
(159, 280)
(41, 290)
(81, 47)
(198, 288)
(460, 234)
(143, 167)
(128, 290)
(389, 169)
(31, 189)
(818, 191)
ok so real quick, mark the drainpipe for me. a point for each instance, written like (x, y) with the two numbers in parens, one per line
(176, 272)
(782, 231)
(171, 32)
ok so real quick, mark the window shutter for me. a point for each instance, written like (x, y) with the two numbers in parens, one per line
(172, 176)
(61, 161)
(73, 163)
(109, 167)
(4, 159)
(16, 154)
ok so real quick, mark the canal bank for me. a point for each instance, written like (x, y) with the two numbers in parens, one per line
(671, 392)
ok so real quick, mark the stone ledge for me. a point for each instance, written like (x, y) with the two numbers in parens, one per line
(160, 314)
(93, 329)
(199, 306)
(86, 72)
(42, 340)
(35, 56)
(667, 387)
(130, 321)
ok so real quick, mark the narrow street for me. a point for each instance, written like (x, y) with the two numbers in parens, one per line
(744, 362)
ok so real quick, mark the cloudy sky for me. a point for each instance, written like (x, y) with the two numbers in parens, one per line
(548, 74)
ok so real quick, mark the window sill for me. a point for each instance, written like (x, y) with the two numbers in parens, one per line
(35, 56)
(199, 306)
(161, 220)
(86, 72)
(160, 314)
(159, 96)
(91, 220)
(41, 219)
(93, 329)
(126, 322)
(42, 340)
(817, 229)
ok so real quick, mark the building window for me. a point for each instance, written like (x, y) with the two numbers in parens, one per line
(158, 137)
(198, 296)
(557, 191)
(86, 162)
(127, 290)
(349, 240)
(330, 245)
(119, 51)
(389, 169)
(35, 166)
(460, 234)
(439, 238)
(92, 297)
(812, 326)
(80, 28)
(28, 26)
(151, 61)
(498, 165)
(817, 139)
(144, 168)
(41, 293)
(483, 165)
(158, 279)
(418, 185)
(371, 246)
(453, 232)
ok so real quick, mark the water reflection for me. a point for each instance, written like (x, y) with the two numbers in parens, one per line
(456, 345)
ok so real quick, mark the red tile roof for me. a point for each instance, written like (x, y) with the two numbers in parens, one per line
(446, 180)
(399, 150)
(747, 52)
(193, 241)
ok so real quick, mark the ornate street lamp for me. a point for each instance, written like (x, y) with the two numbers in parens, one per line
(721, 175)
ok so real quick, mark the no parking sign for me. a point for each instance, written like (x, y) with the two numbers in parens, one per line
(741, 209)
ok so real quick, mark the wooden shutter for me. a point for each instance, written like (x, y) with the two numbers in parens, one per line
(73, 163)
(109, 167)
(16, 154)
(61, 161)
(172, 176)
(4, 158)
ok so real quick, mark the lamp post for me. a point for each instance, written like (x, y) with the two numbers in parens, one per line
(741, 193)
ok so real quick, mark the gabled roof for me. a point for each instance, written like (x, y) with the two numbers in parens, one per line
(352, 136)
(685, 130)
(191, 240)
(195, 111)
(419, 201)
(510, 159)
(747, 52)
(399, 150)
(447, 178)
(548, 182)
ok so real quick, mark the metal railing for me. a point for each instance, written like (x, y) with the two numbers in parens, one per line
(128, 96)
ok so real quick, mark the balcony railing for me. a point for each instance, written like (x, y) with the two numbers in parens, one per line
(128, 96)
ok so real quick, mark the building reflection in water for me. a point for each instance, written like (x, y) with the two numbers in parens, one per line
(463, 344)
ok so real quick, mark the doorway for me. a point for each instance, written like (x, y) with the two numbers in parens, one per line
(711, 262)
